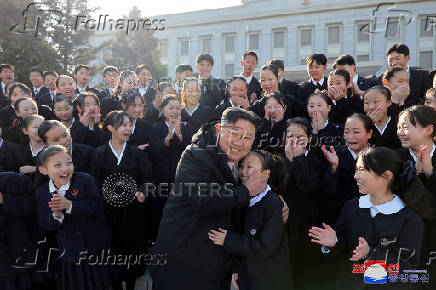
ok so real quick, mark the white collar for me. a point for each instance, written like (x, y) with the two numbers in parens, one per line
(38, 88)
(39, 150)
(52, 188)
(390, 207)
(193, 110)
(119, 157)
(355, 78)
(72, 122)
(257, 198)
(382, 130)
(81, 90)
(231, 103)
(415, 158)
(352, 153)
(168, 125)
(281, 80)
(321, 81)
(134, 125)
(3, 86)
(1, 142)
(142, 91)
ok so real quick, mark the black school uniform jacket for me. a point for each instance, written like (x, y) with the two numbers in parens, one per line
(140, 135)
(254, 87)
(22, 155)
(262, 245)
(149, 95)
(43, 91)
(289, 87)
(163, 158)
(7, 116)
(193, 262)
(389, 138)
(340, 186)
(270, 139)
(212, 92)
(3, 100)
(82, 157)
(7, 160)
(201, 116)
(346, 107)
(388, 236)
(84, 135)
(364, 83)
(308, 88)
(419, 82)
(15, 134)
(110, 104)
(86, 228)
(104, 94)
(152, 115)
(18, 224)
(219, 109)
(330, 135)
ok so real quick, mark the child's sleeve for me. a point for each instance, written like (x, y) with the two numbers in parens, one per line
(92, 205)
(259, 246)
(46, 219)
(21, 204)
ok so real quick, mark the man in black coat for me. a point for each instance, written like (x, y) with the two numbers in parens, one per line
(38, 89)
(419, 80)
(206, 196)
(6, 77)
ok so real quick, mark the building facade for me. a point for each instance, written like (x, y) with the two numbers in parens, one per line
(292, 29)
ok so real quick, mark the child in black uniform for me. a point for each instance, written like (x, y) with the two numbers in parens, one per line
(263, 244)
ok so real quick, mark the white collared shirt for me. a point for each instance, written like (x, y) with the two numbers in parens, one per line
(321, 81)
(133, 128)
(390, 207)
(231, 103)
(143, 91)
(355, 78)
(72, 122)
(81, 90)
(62, 191)
(119, 157)
(415, 158)
(382, 130)
(352, 153)
(247, 79)
(1, 142)
(234, 169)
(37, 90)
(39, 150)
(3, 87)
(193, 110)
(257, 198)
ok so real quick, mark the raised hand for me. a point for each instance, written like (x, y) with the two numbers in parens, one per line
(218, 237)
(140, 196)
(361, 251)
(376, 115)
(424, 163)
(59, 203)
(85, 119)
(325, 236)
(331, 157)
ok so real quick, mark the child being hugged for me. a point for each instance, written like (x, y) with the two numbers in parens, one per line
(263, 244)
(69, 203)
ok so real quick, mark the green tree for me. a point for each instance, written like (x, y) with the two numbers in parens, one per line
(129, 50)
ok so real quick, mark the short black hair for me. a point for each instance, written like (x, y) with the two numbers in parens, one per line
(368, 124)
(318, 57)
(344, 59)
(183, 67)
(22, 86)
(341, 72)
(280, 64)
(390, 72)
(252, 53)
(141, 67)
(231, 115)
(274, 69)
(205, 56)
(38, 70)
(381, 89)
(50, 72)
(109, 68)
(6, 65)
(400, 48)
(80, 66)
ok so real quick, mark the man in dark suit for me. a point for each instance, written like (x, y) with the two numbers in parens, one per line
(82, 75)
(191, 260)
(316, 65)
(360, 84)
(249, 63)
(286, 87)
(419, 80)
(145, 77)
(36, 78)
(212, 89)
(6, 77)
(49, 82)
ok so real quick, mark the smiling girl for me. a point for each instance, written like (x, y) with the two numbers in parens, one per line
(23, 108)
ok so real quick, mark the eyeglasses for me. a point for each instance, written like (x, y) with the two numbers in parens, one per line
(237, 133)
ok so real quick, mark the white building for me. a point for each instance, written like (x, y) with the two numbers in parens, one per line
(293, 29)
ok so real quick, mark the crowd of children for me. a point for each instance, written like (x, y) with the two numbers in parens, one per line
(351, 156)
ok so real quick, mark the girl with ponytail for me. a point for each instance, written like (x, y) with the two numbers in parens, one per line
(385, 223)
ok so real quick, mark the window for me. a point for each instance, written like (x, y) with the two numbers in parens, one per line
(229, 44)
(392, 28)
(363, 32)
(229, 70)
(363, 57)
(426, 60)
(333, 33)
(163, 46)
(279, 39)
(184, 47)
(426, 27)
(253, 41)
(206, 45)
(306, 37)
